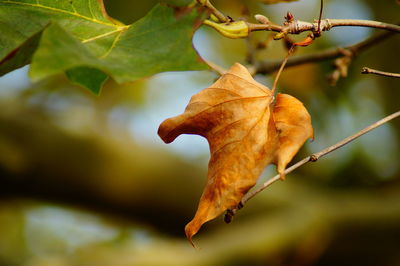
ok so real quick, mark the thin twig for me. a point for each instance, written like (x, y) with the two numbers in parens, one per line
(312, 158)
(362, 23)
(218, 14)
(297, 26)
(367, 70)
(265, 67)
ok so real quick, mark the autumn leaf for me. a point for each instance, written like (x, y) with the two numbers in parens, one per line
(246, 131)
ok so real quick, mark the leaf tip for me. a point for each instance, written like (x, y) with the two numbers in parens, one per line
(164, 131)
(190, 231)
(240, 71)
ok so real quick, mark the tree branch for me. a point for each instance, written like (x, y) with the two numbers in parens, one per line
(298, 26)
(312, 158)
(265, 67)
(367, 70)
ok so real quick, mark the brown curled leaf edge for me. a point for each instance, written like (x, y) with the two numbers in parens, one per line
(246, 130)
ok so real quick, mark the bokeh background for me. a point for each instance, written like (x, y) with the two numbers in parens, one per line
(85, 180)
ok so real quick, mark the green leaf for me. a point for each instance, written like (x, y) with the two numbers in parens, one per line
(21, 20)
(88, 77)
(58, 52)
(79, 35)
(21, 55)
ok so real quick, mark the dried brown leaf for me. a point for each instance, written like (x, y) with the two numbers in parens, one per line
(293, 123)
(245, 132)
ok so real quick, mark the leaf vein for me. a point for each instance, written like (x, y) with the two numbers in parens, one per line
(215, 105)
(104, 35)
(230, 124)
(90, 8)
(112, 45)
(224, 89)
(245, 136)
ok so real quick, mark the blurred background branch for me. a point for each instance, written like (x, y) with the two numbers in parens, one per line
(367, 70)
(267, 66)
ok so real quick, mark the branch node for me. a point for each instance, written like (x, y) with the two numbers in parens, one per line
(294, 27)
(365, 70)
(327, 25)
(313, 158)
(230, 213)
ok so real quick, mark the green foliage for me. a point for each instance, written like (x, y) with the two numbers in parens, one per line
(79, 35)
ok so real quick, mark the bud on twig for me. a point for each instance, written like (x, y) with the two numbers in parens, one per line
(262, 19)
(289, 17)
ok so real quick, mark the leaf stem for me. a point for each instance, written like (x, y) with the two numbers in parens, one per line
(281, 69)
(218, 14)
(367, 70)
(321, 9)
(216, 68)
(312, 158)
